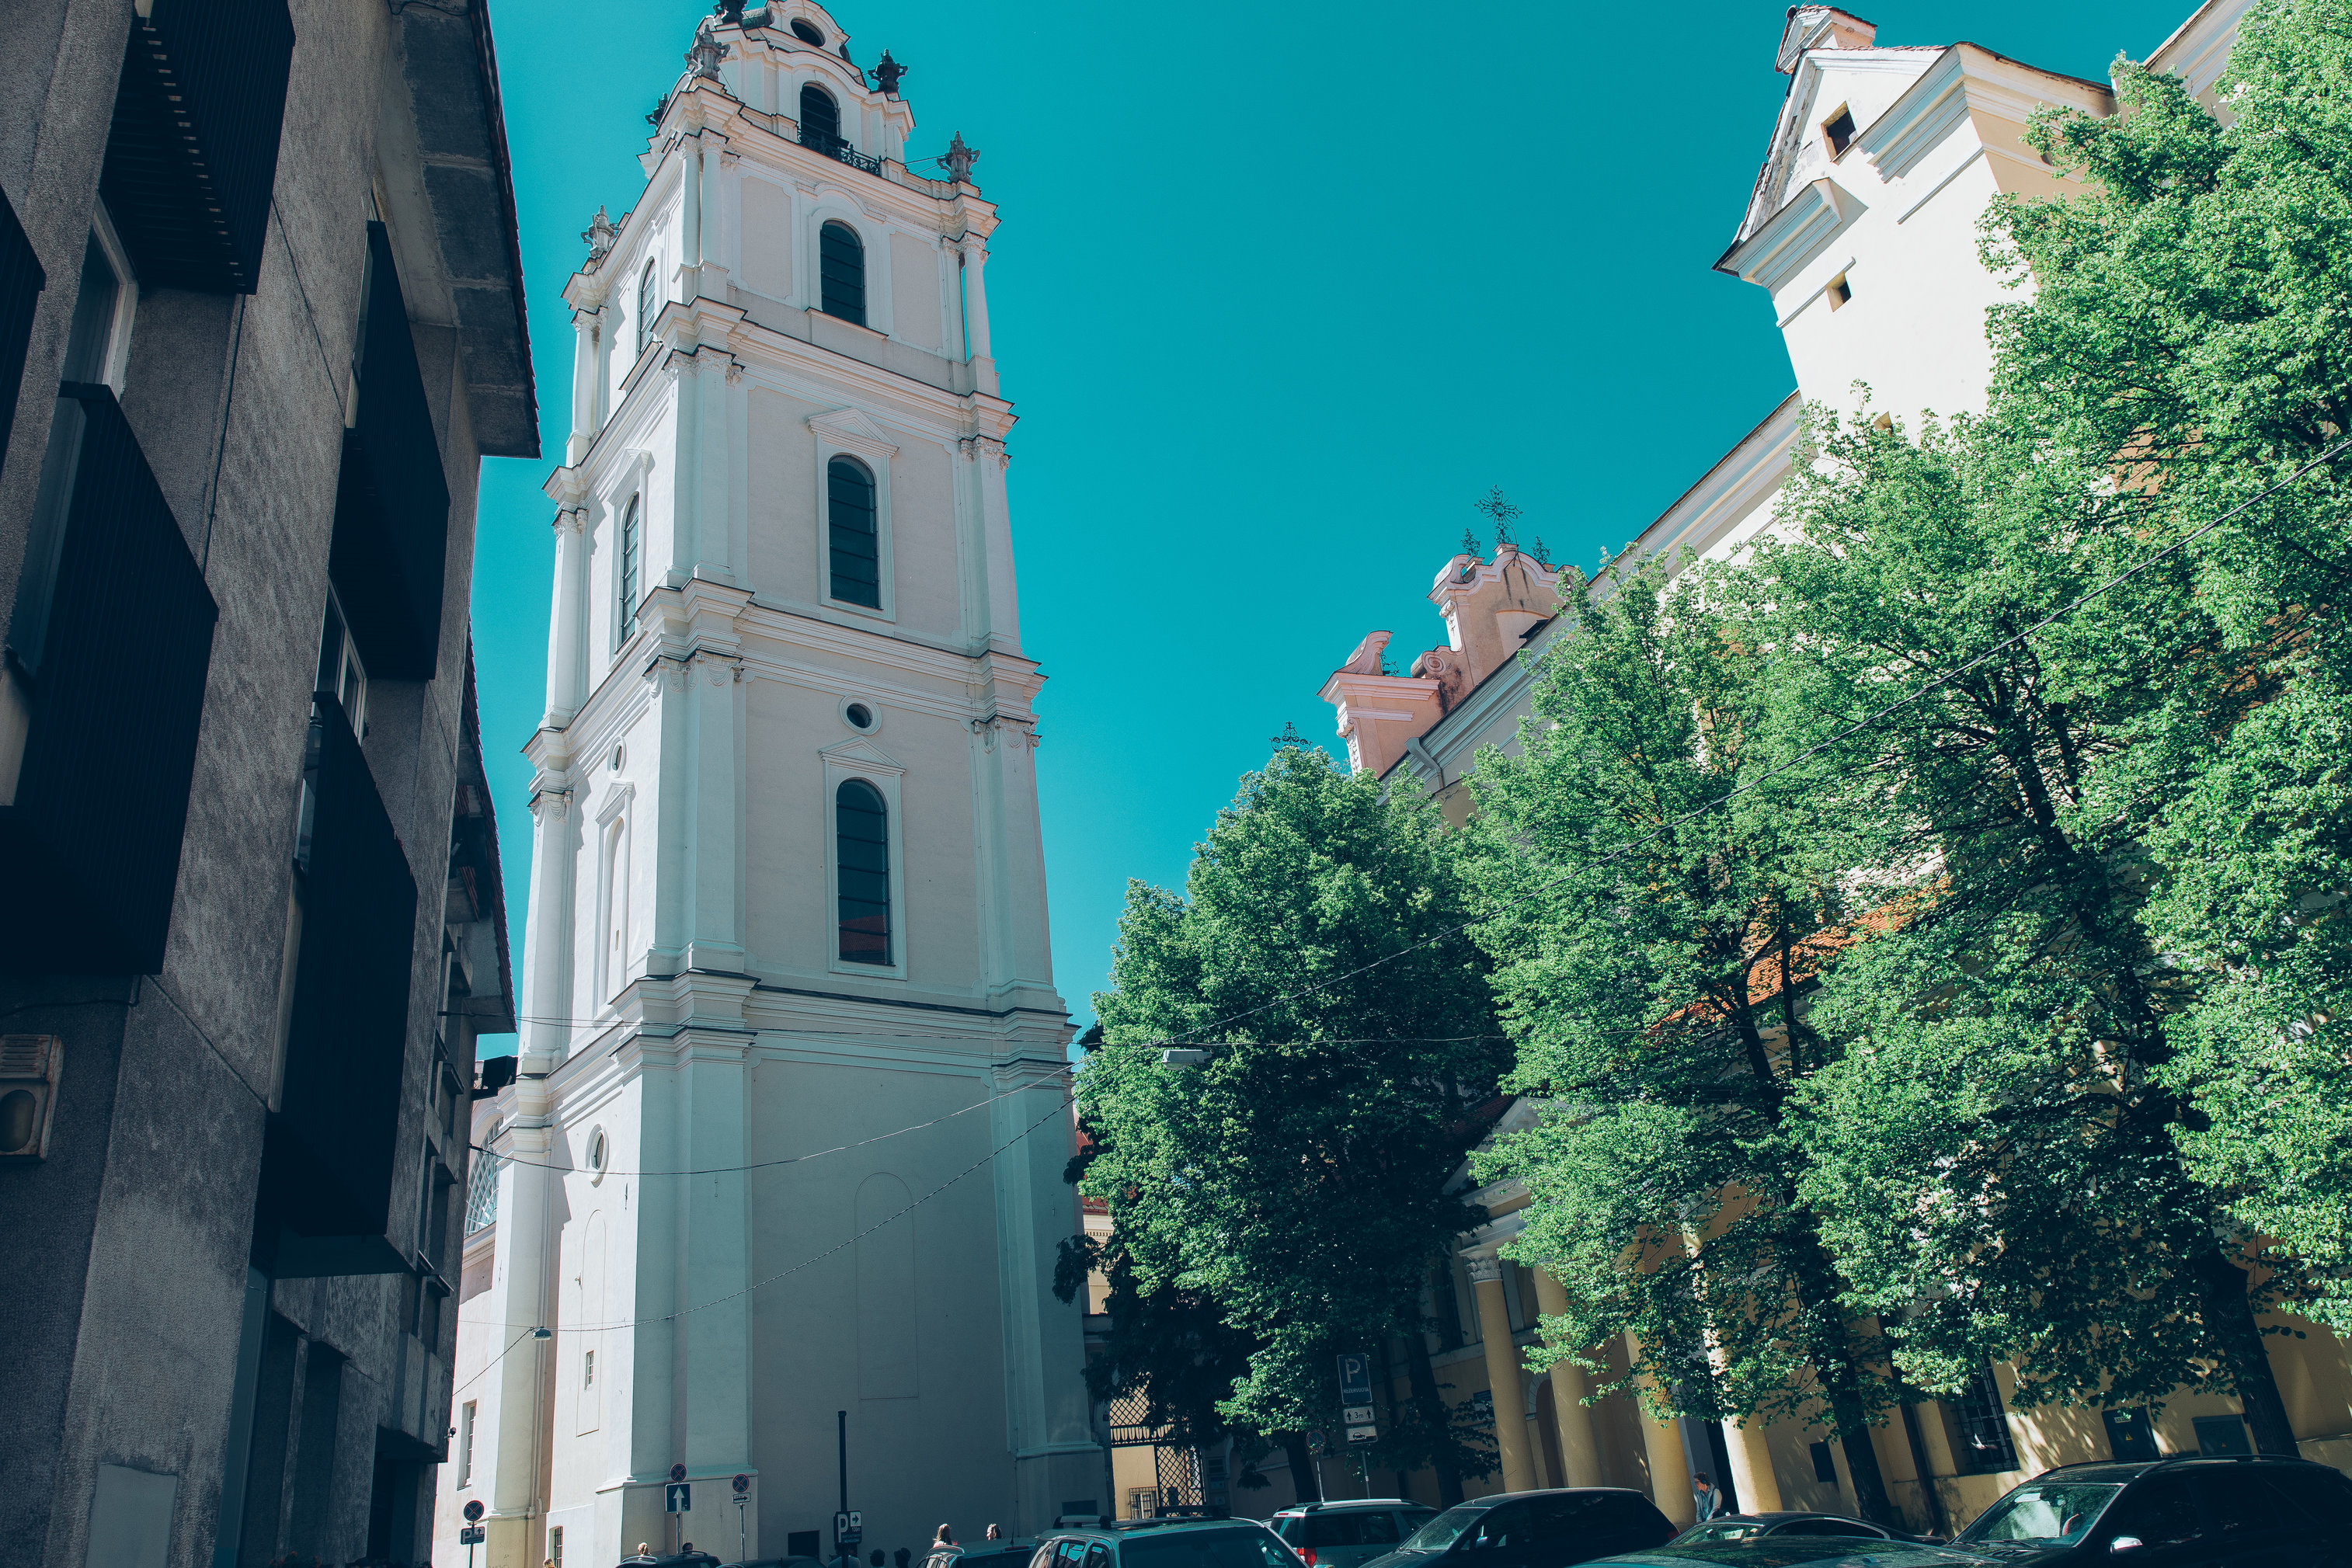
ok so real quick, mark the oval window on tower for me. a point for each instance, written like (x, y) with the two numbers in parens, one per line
(820, 118)
(851, 537)
(807, 32)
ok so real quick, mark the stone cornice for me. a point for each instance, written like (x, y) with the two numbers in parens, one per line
(1791, 237)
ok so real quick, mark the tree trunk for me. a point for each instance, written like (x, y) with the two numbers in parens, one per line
(2223, 1285)
(1306, 1480)
(1432, 1411)
(1870, 1498)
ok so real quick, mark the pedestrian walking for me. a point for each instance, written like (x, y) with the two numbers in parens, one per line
(1706, 1496)
(944, 1550)
(996, 1532)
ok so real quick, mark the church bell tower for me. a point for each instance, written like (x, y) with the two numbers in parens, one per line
(787, 893)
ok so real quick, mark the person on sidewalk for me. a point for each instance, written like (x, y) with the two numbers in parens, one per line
(944, 1550)
(1706, 1496)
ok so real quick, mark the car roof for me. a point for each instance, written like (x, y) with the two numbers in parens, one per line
(1341, 1505)
(2121, 1470)
(1497, 1496)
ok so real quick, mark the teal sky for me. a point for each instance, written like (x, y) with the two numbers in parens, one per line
(1279, 292)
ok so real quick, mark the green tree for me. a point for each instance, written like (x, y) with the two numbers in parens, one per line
(1996, 1151)
(1296, 1179)
(2188, 329)
(1650, 946)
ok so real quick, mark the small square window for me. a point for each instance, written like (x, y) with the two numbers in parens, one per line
(1837, 130)
(1824, 1465)
(1839, 292)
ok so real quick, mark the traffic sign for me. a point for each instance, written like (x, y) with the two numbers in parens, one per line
(742, 1485)
(677, 1472)
(849, 1529)
(1355, 1398)
(474, 1511)
(1318, 1443)
(470, 1535)
(678, 1498)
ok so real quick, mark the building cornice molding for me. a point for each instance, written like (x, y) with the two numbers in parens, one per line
(1792, 237)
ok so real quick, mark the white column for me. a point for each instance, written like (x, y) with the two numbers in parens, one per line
(713, 855)
(691, 177)
(567, 622)
(547, 936)
(714, 1264)
(1503, 1375)
(584, 386)
(524, 1374)
(1048, 1419)
(1004, 628)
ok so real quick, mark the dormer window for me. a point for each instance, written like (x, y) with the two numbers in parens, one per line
(820, 117)
(807, 32)
(1837, 130)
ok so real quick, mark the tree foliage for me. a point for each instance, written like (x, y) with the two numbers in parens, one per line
(1294, 1183)
(1657, 924)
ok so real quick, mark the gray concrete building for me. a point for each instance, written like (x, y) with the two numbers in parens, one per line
(261, 315)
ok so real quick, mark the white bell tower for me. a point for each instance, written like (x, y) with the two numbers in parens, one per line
(787, 891)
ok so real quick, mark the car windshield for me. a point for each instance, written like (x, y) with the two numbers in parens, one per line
(1243, 1548)
(2062, 1512)
(1731, 1529)
(1444, 1529)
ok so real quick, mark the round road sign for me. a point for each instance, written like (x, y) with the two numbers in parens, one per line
(473, 1510)
(677, 1472)
(742, 1485)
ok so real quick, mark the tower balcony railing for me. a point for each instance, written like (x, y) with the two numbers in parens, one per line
(110, 645)
(839, 150)
(193, 151)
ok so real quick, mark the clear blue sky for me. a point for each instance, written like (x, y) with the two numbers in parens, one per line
(1277, 293)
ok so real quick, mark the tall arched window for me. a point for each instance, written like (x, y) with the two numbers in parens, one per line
(628, 557)
(855, 542)
(862, 829)
(820, 117)
(840, 265)
(645, 308)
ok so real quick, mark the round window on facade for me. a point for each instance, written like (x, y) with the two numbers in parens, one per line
(806, 33)
(858, 717)
(620, 754)
(599, 1155)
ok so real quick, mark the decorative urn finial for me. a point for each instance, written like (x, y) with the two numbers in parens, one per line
(959, 159)
(886, 75)
(706, 53)
(599, 233)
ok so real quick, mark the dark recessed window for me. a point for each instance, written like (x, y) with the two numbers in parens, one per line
(631, 553)
(646, 307)
(806, 33)
(859, 715)
(862, 829)
(841, 268)
(1837, 130)
(1839, 292)
(854, 539)
(820, 116)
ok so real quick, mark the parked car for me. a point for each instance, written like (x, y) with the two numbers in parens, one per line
(2254, 1511)
(1754, 1526)
(1349, 1533)
(1000, 1554)
(1534, 1530)
(1166, 1543)
(1793, 1550)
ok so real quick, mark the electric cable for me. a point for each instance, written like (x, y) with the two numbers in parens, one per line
(788, 1159)
(809, 1262)
(1815, 750)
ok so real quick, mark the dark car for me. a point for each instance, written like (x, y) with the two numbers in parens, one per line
(1754, 1526)
(1534, 1530)
(2187, 1512)
(1794, 1551)
(1349, 1533)
(1165, 1543)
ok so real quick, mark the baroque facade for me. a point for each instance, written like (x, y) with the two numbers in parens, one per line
(788, 893)
(261, 319)
(1862, 230)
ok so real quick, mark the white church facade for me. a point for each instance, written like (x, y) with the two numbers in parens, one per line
(787, 893)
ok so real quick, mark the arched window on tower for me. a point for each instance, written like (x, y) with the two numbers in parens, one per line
(646, 307)
(854, 542)
(862, 829)
(627, 568)
(820, 118)
(841, 266)
(612, 955)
